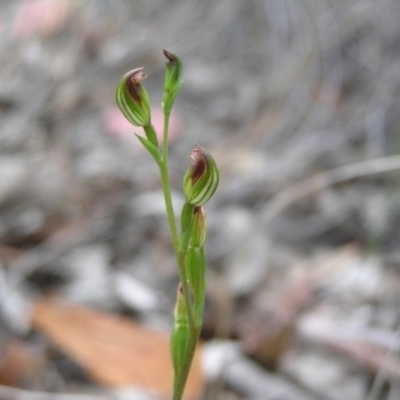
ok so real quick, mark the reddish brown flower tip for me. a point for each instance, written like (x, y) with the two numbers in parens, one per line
(171, 57)
(199, 229)
(133, 80)
(180, 289)
(198, 210)
(200, 163)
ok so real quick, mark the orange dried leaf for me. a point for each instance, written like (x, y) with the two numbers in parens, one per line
(18, 364)
(115, 351)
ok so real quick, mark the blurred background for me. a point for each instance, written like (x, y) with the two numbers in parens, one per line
(298, 101)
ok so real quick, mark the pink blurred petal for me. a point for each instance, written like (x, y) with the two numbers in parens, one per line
(43, 17)
(157, 118)
(117, 126)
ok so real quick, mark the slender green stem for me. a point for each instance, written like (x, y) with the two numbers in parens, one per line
(163, 165)
(180, 253)
(165, 137)
(180, 256)
(165, 181)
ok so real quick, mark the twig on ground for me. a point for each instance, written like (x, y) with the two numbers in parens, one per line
(341, 174)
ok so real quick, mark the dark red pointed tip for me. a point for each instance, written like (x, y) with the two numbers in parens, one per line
(171, 58)
(197, 210)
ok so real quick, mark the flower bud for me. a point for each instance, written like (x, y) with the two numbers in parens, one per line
(201, 179)
(199, 229)
(173, 80)
(180, 332)
(133, 99)
(173, 73)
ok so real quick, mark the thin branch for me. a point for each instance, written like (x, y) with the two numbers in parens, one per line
(288, 196)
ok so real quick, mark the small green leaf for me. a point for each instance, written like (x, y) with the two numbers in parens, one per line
(153, 150)
(195, 269)
(151, 134)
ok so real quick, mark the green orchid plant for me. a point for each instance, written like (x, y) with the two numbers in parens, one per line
(199, 184)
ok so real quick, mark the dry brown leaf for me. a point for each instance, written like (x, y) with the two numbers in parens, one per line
(17, 364)
(116, 351)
